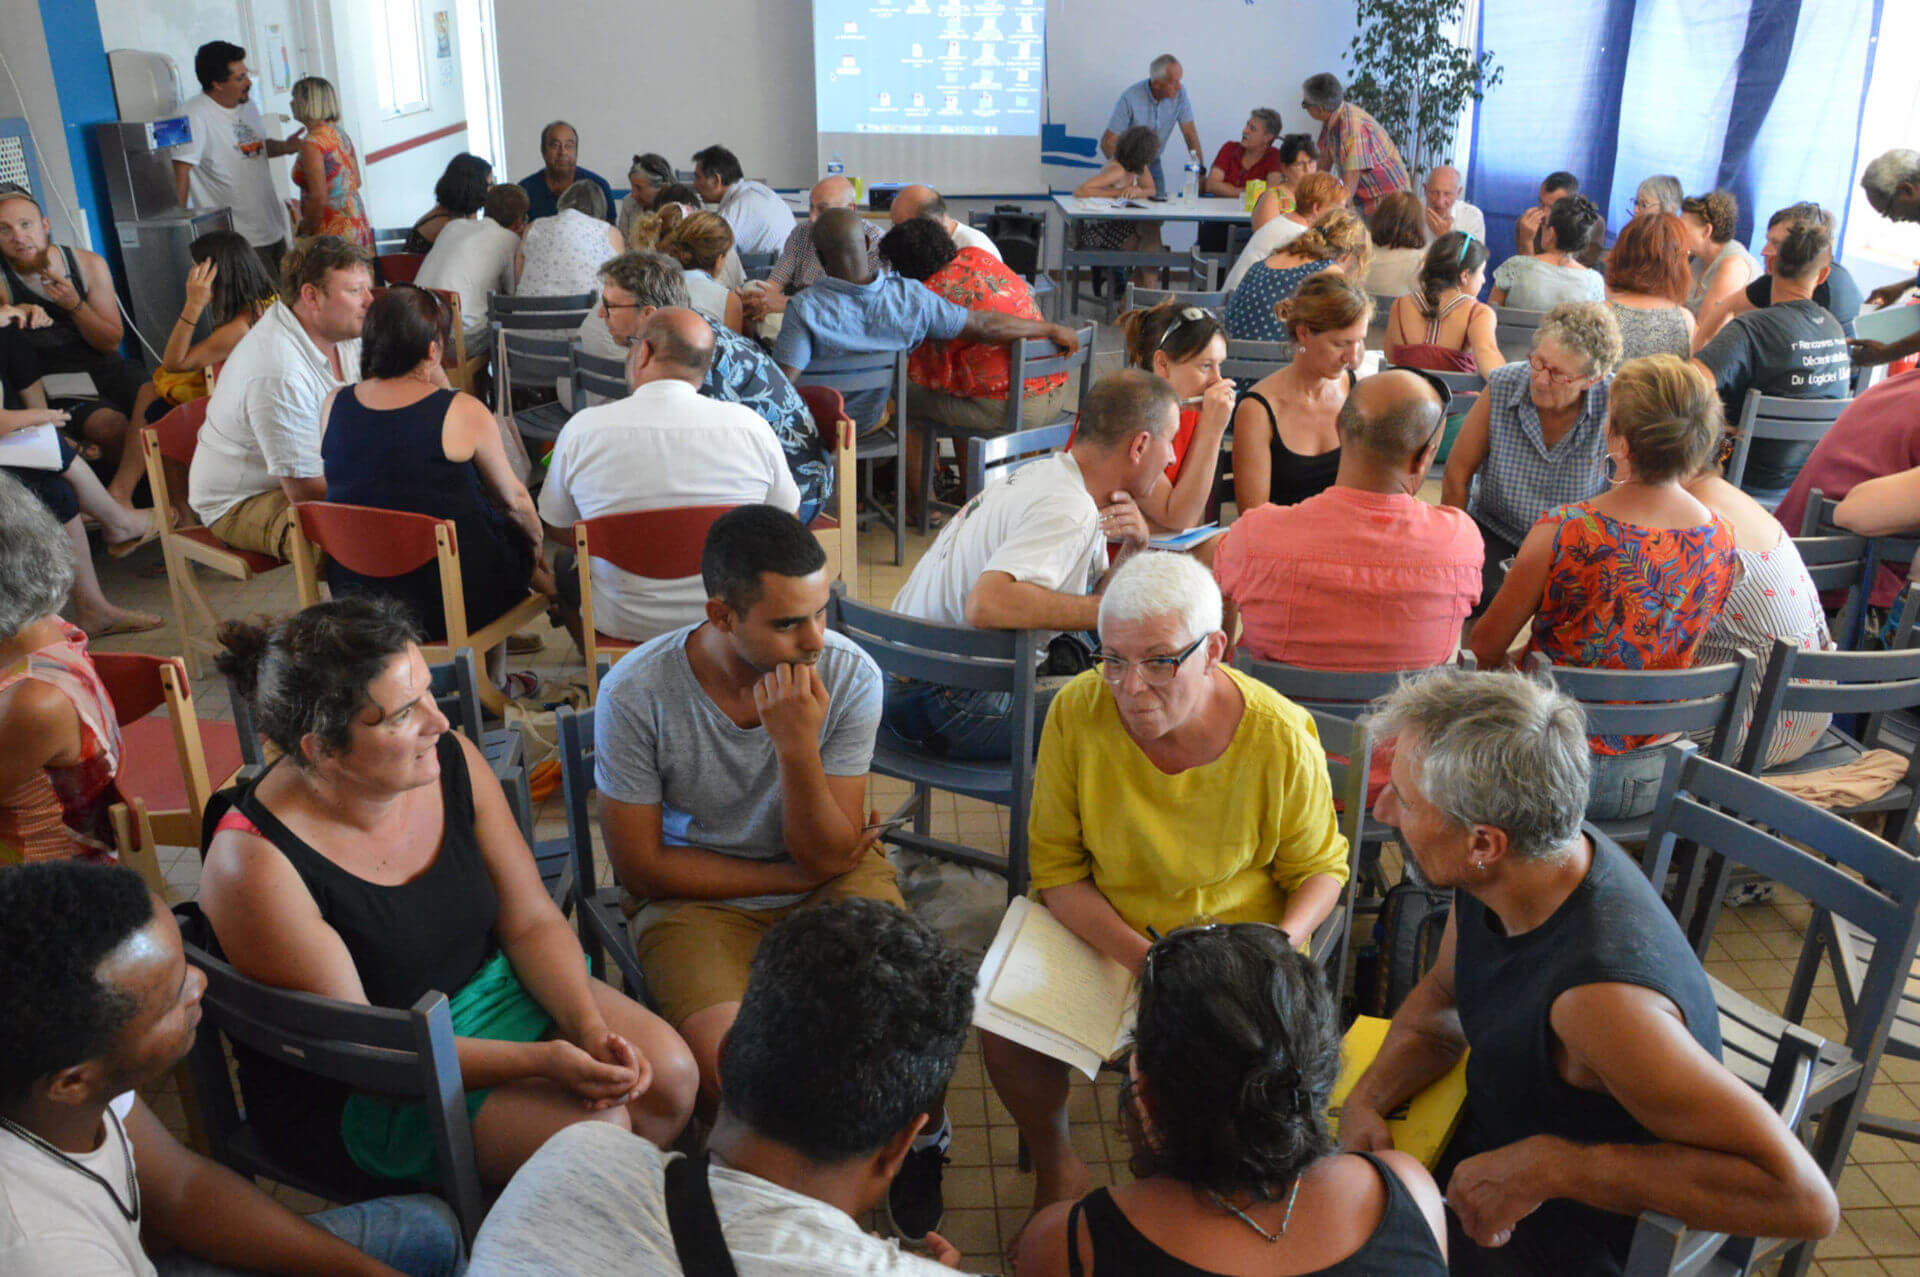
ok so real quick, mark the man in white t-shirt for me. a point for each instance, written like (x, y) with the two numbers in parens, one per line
(812, 1125)
(473, 257)
(259, 451)
(224, 162)
(1446, 211)
(1030, 553)
(661, 447)
(100, 1001)
(924, 201)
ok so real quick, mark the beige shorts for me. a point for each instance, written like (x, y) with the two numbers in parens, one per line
(696, 953)
(987, 416)
(262, 523)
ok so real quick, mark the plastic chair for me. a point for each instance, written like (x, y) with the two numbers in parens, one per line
(532, 341)
(1514, 329)
(592, 374)
(172, 440)
(763, 262)
(839, 532)
(392, 543)
(1034, 357)
(597, 915)
(404, 1054)
(883, 371)
(1349, 750)
(972, 660)
(1665, 1247)
(990, 455)
(1139, 298)
(166, 772)
(660, 545)
(1656, 703)
(1880, 576)
(1779, 418)
(1841, 563)
(1199, 269)
(1249, 361)
(398, 268)
(1859, 880)
(388, 239)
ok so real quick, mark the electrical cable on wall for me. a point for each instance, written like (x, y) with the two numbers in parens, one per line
(53, 188)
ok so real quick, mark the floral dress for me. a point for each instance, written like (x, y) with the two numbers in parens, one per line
(342, 211)
(1624, 597)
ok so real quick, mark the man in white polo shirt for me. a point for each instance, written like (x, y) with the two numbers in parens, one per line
(663, 446)
(1445, 212)
(924, 201)
(224, 163)
(259, 450)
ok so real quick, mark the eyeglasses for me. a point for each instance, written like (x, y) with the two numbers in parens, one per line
(1554, 375)
(607, 308)
(1155, 671)
(1440, 387)
(1184, 316)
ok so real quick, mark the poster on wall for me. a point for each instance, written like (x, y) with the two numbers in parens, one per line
(279, 65)
(444, 34)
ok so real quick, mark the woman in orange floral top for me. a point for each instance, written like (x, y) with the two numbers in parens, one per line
(328, 171)
(961, 385)
(63, 740)
(1632, 578)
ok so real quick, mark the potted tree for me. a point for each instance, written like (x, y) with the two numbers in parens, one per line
(1410, 73)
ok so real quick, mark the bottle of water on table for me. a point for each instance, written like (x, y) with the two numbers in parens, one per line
(1190, 189)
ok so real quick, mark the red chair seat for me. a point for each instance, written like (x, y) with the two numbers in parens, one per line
(254, 560)
(150, 767)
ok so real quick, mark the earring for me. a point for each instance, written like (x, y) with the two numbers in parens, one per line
(1611, 470)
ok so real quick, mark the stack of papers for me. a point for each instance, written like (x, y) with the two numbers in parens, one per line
(1046, 988)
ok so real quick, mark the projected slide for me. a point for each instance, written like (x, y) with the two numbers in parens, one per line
(964, 68)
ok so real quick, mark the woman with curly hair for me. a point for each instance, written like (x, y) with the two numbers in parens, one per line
(1225, 1110)
(1337, 241)
(1725, 266)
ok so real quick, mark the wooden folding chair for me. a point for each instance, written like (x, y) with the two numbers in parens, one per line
(390, 543)
(660, 545)
(173, 439)
(839, 532)
(399, 268)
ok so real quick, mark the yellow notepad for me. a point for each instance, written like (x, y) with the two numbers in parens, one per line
(1423, 1125)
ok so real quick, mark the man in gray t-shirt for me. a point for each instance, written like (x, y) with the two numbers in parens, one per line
(732, 769)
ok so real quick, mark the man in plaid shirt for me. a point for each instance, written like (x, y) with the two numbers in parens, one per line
(1353, 146)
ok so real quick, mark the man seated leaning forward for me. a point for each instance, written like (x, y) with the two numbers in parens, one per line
(732, 769)
(1594, 1088)
(1169, 788)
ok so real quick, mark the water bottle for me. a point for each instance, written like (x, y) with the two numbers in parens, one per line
(1190, 190)
(834, 167)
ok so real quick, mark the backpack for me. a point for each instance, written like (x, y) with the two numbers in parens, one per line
(1413, 917)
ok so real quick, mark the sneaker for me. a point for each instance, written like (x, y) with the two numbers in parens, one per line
(914, 1205)
(525, 643)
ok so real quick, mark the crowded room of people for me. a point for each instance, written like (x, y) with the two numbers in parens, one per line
(986, 636)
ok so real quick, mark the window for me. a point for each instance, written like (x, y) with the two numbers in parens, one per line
(400, 57)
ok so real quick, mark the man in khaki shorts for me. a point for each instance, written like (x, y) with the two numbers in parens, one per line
(731, 759)
(259, 451)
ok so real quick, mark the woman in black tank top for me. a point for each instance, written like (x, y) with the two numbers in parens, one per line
(1235, 1053)
(376, 860)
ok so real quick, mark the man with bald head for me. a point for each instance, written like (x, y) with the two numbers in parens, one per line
(923, 201)
(1365, 575)
(799, 264)
(855, 310)
(664, 445)
(1446, 211)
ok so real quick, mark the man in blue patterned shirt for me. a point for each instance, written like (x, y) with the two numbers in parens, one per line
(634, 285)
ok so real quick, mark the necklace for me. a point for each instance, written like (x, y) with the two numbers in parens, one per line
(132, 1216)
(1248, 1220)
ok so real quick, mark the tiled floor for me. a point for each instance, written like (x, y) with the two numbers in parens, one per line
(987, 1197)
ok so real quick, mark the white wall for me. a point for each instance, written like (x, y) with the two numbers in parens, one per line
(647, 75)
(25, 51)
(326, 38)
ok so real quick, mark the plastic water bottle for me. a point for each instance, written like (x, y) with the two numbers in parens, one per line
(834, 167)
(1190, 189)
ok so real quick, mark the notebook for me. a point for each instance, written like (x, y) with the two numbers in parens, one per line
(1046, 988)
(1423, 1125)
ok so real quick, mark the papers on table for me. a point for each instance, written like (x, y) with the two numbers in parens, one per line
(1045, 988)
(32, 448)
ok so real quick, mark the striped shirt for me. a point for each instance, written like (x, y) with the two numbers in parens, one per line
(1351, 141)
(1522, 478)
(1774, 598)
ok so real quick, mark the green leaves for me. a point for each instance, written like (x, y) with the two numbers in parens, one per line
(1407, 70)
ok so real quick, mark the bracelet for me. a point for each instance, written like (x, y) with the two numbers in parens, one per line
(184, 320)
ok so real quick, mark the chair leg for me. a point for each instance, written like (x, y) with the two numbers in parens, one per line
(900, 492)
(929, 462)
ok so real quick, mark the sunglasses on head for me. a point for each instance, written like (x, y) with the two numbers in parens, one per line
(1184, 317)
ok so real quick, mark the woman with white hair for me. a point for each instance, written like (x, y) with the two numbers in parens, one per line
(328, 170)
(63, 738)
(1169, 787)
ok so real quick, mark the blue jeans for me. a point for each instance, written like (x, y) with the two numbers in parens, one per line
(956, 723)
(418, 1235)
(1625, 785)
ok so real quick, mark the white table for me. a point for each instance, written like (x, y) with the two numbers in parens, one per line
(1216, 209)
